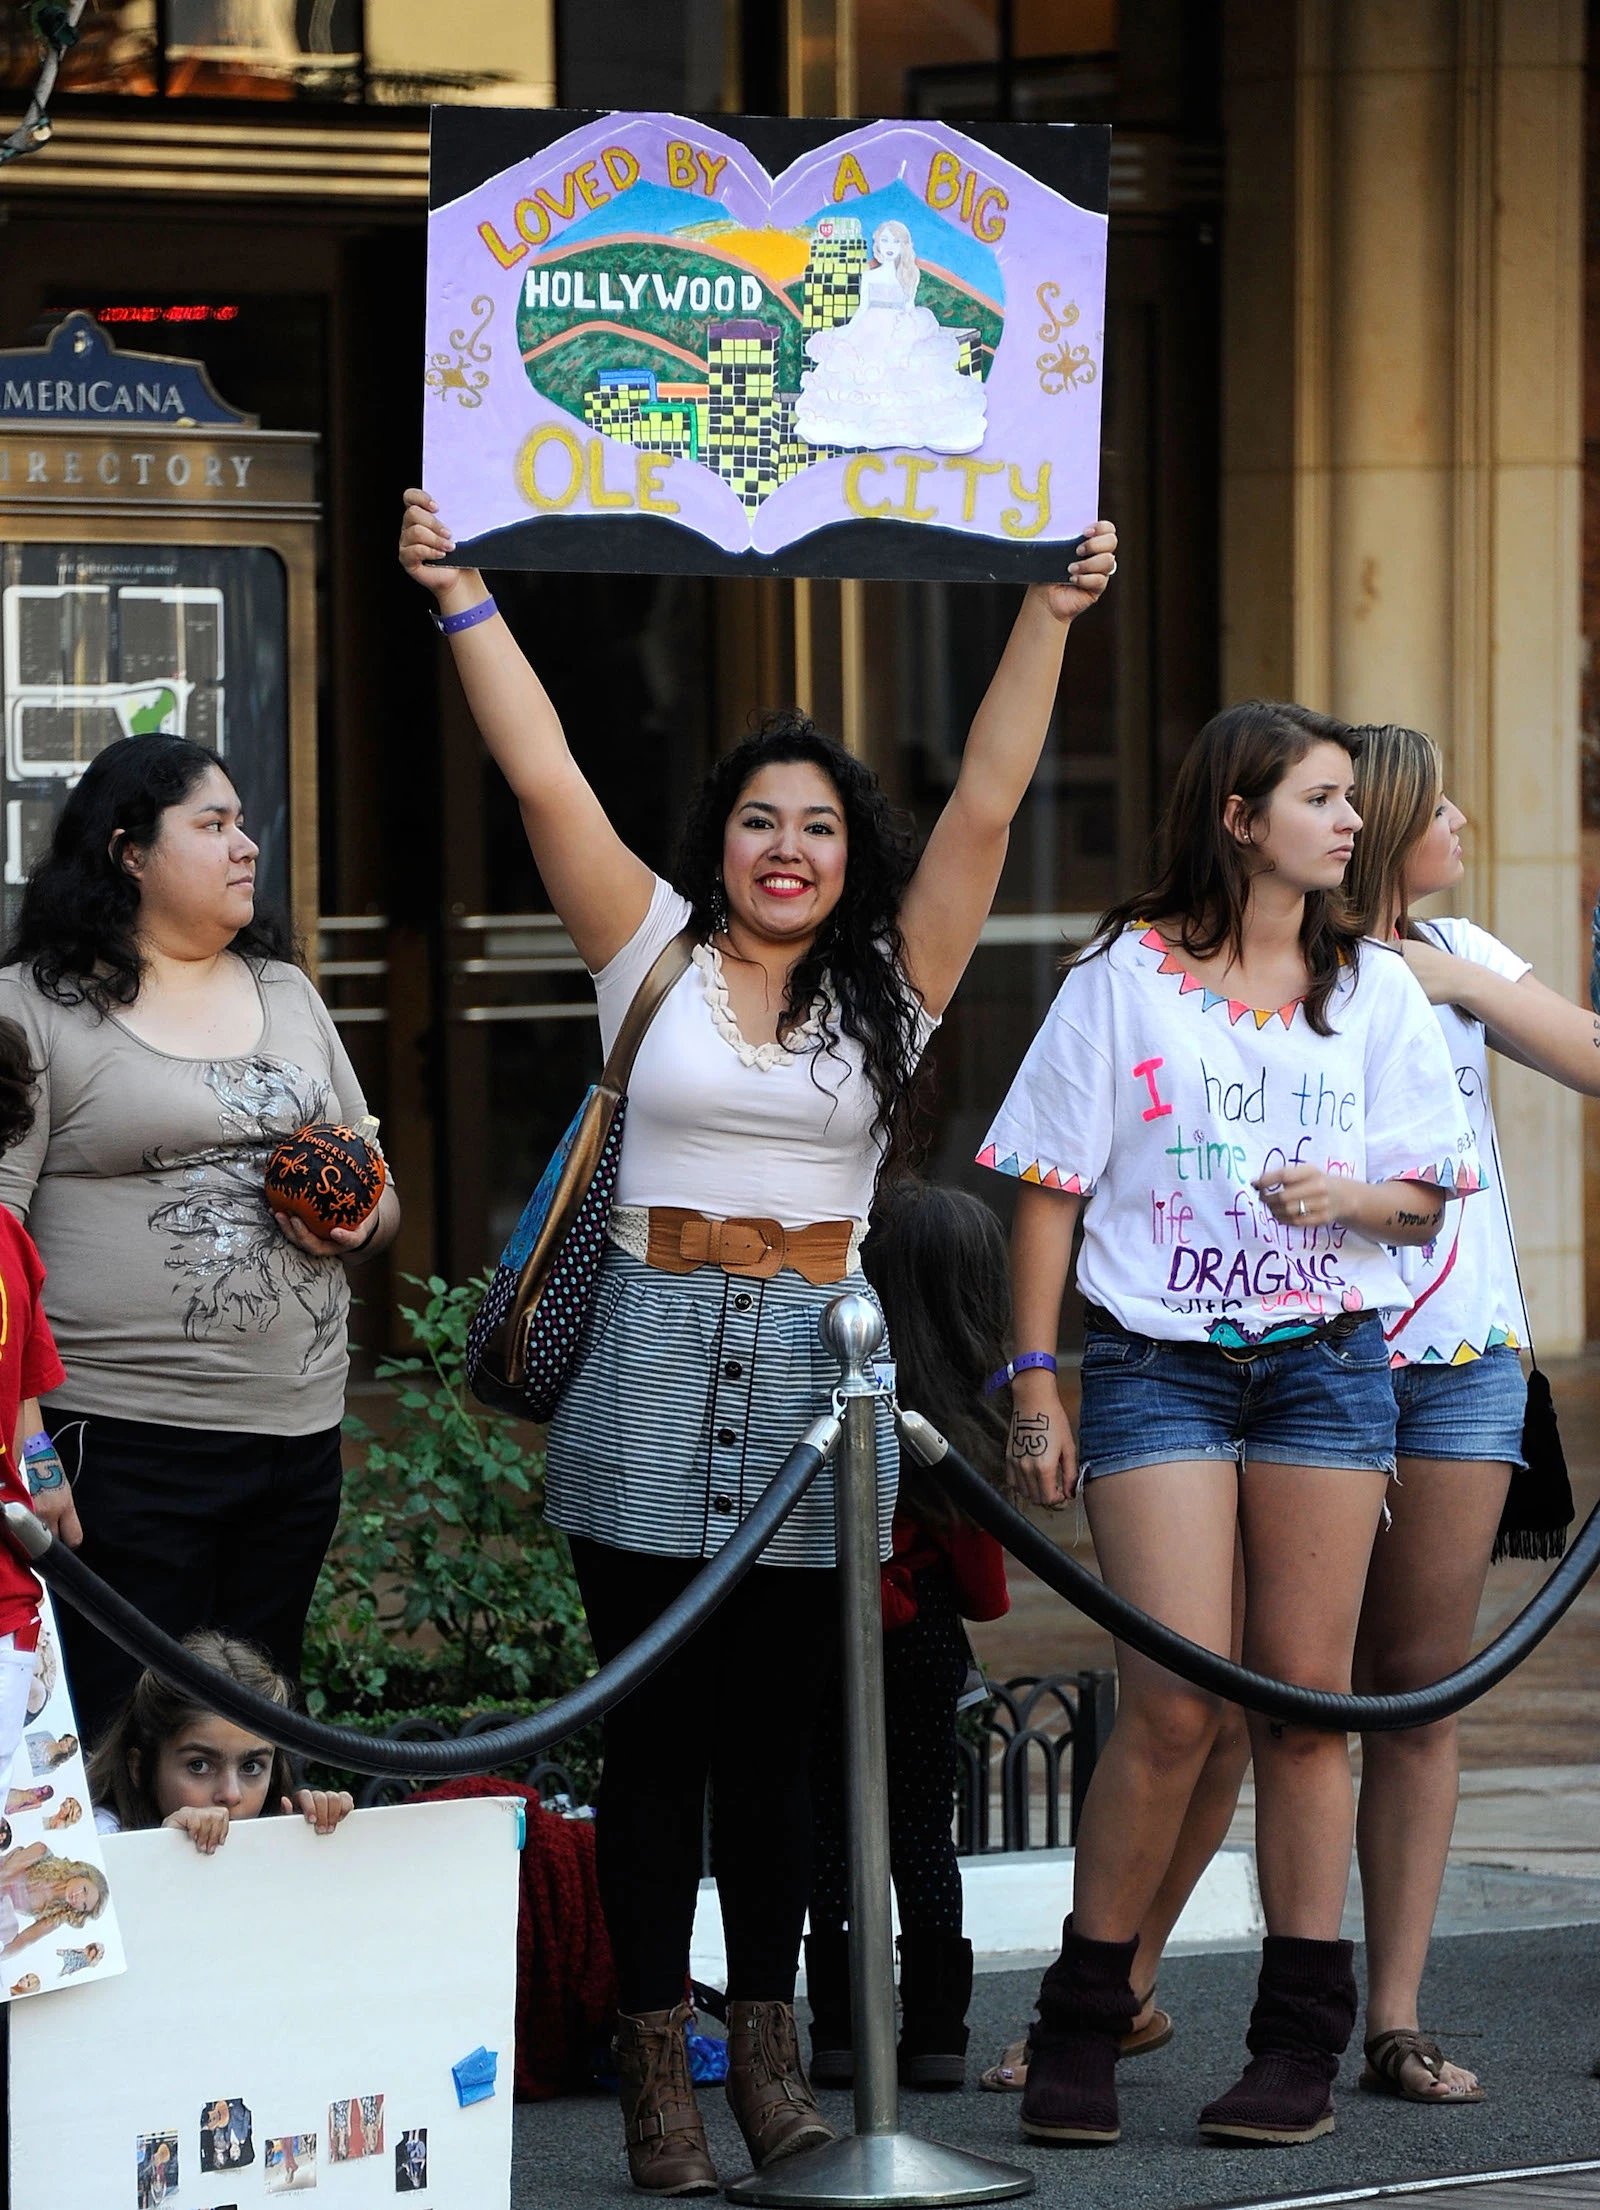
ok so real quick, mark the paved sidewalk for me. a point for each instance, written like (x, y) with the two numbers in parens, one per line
(1520, 2008)
(1512, 1984)
(1526, 1850)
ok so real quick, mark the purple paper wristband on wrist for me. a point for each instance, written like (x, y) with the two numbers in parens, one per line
(451, 625)
(1019, 1365)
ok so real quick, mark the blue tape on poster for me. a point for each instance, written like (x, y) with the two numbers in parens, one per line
(474, 2076)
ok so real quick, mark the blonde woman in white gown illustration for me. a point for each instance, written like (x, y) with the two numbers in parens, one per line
(888, 376)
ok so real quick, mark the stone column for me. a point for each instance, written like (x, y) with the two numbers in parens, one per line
(1402, 450)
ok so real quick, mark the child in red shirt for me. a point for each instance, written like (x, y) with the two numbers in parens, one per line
(30, 1471)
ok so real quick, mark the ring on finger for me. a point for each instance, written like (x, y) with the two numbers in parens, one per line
(1302, 1208)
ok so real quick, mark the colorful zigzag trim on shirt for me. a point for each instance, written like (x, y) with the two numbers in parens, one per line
(1464, 1353)
(1047, 1177)
(1449, 1174)
(1189, 984)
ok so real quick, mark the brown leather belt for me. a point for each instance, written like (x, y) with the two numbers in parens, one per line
(680, 1242)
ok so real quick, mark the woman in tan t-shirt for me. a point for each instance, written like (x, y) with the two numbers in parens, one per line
(203, 1335)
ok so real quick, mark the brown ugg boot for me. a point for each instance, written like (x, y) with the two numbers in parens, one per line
(1086, 2005)
(768, 2091)
(667, 2153)
(1304, 2015)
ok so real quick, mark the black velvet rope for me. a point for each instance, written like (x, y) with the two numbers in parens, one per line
(117, 1619)
(1315, 1707)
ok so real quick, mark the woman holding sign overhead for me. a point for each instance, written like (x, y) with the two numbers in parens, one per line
(775, 1080)
(1246, 1103)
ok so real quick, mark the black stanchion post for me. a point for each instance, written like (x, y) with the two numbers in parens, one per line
(878, 2163)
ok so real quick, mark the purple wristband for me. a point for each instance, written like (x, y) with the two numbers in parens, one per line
(451, 625)
(1019, 1365)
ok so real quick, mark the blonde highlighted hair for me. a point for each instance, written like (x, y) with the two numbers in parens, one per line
(1399, 783)
(59, 1873)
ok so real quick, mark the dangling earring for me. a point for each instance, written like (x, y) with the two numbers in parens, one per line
(719, 909)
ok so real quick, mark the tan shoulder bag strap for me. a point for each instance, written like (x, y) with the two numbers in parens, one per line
(648, 1000)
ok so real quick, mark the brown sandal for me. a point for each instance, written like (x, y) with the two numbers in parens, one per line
(1386, 2054)
(1008, 2075)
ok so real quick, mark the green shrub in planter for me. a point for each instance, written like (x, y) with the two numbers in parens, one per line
(444, 1586)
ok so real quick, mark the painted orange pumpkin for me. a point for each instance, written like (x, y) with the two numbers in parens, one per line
(326, 1175)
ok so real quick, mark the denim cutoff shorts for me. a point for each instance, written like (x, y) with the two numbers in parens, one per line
(1148, 1402)
(1470, 1411)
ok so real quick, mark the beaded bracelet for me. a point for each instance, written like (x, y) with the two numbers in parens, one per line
(1019, 1365)
(451, 625)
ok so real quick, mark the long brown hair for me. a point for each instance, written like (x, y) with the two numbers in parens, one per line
(1202, 883)
(939, 1261)
(122, 1769)
(1399, 783)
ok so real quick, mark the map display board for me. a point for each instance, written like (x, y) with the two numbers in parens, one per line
(764, 347)
(105, 641)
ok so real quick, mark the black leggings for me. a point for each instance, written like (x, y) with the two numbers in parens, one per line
(924, 1666)
(199, 1528)
(736, 1705)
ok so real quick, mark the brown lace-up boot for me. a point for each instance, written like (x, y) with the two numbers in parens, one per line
(667, 2152)
(768, 2091)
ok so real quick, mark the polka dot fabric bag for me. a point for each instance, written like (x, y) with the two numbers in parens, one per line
(524, 1336)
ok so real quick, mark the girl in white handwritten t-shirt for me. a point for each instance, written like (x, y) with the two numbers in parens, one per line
(1458, 1386)
(1246, 1104)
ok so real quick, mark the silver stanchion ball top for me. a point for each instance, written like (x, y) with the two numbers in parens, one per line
(852, 1328)
(27, 1534)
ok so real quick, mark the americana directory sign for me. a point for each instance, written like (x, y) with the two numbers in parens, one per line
(764, 347)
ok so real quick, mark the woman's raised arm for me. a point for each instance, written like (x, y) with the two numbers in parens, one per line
(600, 889)
(954, 886)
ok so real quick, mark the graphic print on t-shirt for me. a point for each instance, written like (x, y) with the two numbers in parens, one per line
(234, 1262)
(1163, 1103)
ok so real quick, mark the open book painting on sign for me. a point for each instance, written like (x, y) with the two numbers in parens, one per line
(764, 347)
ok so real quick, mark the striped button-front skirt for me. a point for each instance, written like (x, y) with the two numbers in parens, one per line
(687, 1394)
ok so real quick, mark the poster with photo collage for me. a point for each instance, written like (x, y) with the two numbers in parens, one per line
(58, 1922)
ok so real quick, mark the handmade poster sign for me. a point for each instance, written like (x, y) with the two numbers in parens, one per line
(58, 1927)
(287, 2024)
(764, 347)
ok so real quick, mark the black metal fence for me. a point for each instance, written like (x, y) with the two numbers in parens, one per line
(1048, 1729)
(1031, 1745)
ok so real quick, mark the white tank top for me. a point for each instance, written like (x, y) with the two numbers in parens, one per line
(720, 1126)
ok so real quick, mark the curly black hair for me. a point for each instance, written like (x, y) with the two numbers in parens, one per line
(859, 948)
(18, 1074)
(78, 928)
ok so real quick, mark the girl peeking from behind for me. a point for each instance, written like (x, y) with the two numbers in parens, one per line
(166, 1761)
